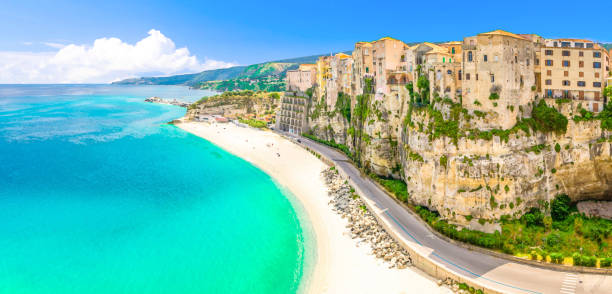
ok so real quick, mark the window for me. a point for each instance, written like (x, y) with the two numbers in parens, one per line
(581, 63)
(450, 72)
(467, 77)
(459, 76)
(566, 73)
(597, 54)
(516, 58)
(566, 83)
(589, 45)
(565, 44)
(579, 45)
(470, 57)
(566, 63)
(485, 58)
(581, 53)
(549, 62)
(527, 62)
(477, 77)
(496, 58)
(548, 52)
(537, 61)
(367, 69)
(492, 78)
(565, 53)
(548, 82)
(581, 74)
(596, 75)
(581, 84)
(452, 50)
(443, 59)
(597, 84)
(596, 64)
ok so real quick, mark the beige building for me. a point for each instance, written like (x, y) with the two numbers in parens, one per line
(387, 58)
(323, 74)
(498, 74)
(339, 78)
(301, 79)
(291, 117)
(362, 66)
(440, 63)
(574, 69)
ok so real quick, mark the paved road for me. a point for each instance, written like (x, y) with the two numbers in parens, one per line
(499, 273)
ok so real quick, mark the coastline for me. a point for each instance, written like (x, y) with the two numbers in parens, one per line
(341, 265)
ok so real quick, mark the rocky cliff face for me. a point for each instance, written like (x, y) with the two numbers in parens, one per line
(235, 104)
(468, 177)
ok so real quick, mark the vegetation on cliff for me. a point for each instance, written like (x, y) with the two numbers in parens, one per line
(565, 236)
(254, 123)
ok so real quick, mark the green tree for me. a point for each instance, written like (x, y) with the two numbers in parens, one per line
(548, 119)
(560, 208)
(423, 85)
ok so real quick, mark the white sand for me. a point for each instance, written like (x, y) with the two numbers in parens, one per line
(341, 266)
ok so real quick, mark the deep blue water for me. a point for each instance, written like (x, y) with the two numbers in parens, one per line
(99, 195)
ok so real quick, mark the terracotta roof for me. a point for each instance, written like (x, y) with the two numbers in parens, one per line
(342, 55)
(502, 33)
(387, 38)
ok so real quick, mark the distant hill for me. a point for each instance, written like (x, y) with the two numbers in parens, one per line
(277, 68)
(607, 45)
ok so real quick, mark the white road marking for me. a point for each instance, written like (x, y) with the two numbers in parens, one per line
(568, 286)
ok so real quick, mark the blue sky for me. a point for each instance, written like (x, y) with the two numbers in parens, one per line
(241, 32)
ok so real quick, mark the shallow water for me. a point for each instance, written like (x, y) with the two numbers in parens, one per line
(99, 195)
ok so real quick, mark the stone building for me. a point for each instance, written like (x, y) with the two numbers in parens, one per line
(440, 63)
(362, 66)
(498, 75)
(574, 69)
(387, 58)
(339, 78)
(301, 79)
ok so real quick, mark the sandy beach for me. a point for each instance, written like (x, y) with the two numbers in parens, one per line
(341, 266)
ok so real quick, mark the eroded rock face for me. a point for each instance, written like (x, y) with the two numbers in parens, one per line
(484, 179)
(490, 178)
(258, 105)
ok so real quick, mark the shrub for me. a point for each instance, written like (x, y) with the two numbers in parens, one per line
(548, 119)
(557, 148)
(560, 208)
(533, 218)
(443, 161)
(494, 96)
(534, 255)
(556, 258)
(605, 262)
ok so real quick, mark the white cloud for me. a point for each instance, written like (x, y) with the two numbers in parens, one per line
(107, 60)
(54, 45)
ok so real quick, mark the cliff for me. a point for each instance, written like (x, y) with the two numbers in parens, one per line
(244, 104)
(453, 162)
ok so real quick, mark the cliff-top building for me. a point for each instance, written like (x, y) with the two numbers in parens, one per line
(387, 57)
(301, 79)
(498, 74)
(574, 69)
(362, 66)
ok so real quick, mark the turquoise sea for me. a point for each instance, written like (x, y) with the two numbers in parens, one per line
(99, 195)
